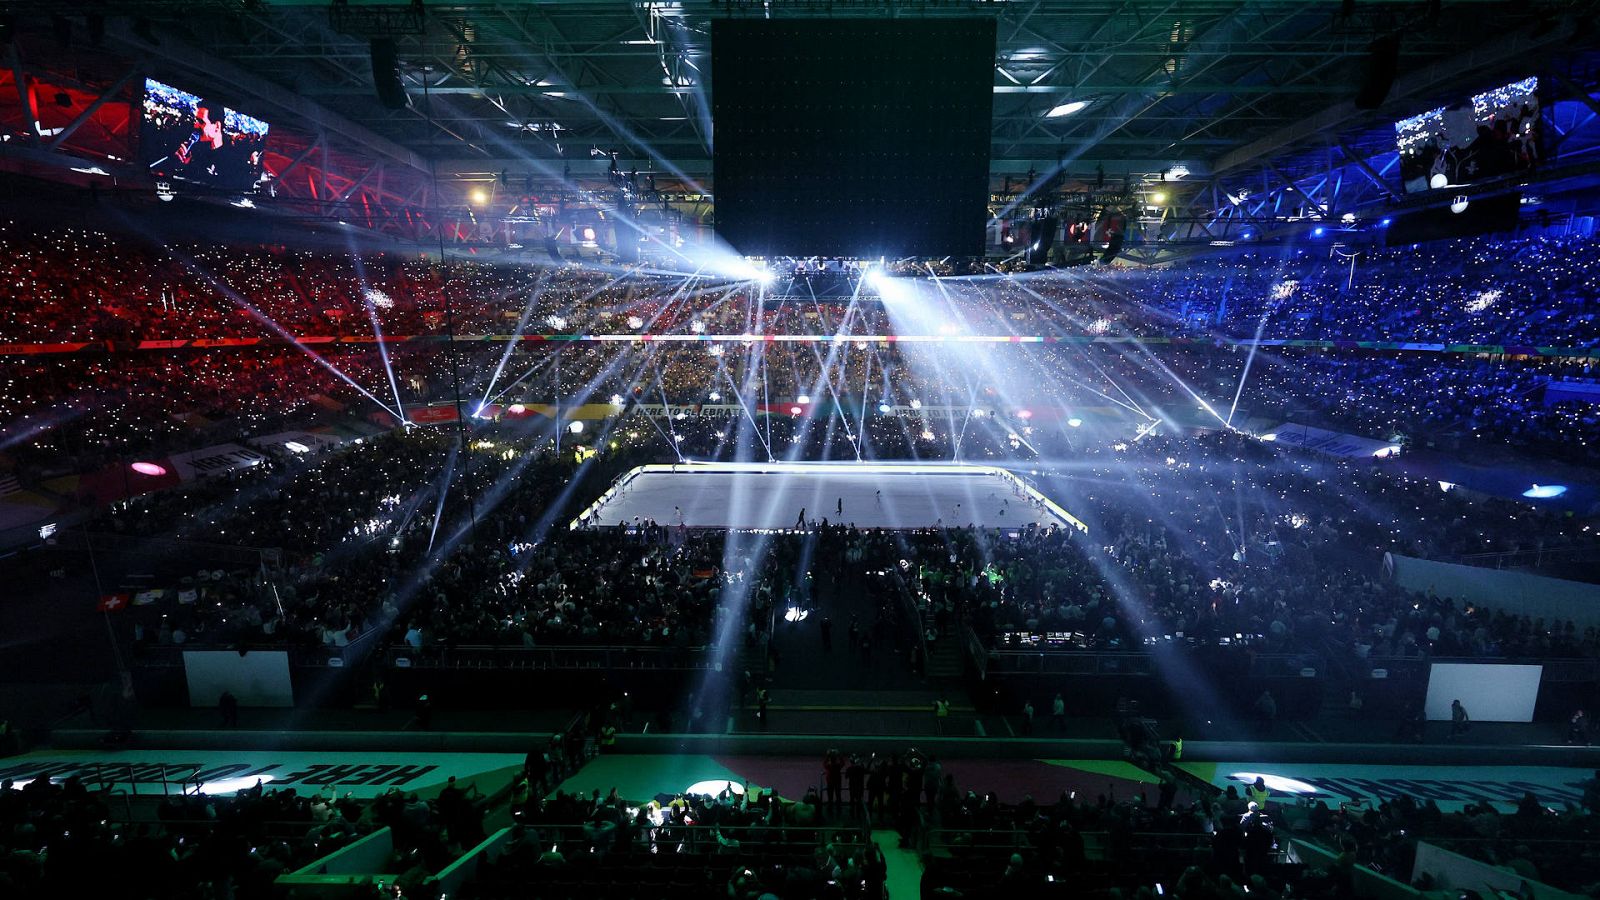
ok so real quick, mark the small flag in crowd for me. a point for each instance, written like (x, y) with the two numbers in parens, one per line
(112, 603)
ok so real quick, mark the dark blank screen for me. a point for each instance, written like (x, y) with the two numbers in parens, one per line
(852, 137)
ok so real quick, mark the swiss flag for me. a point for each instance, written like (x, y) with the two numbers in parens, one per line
(112, 603)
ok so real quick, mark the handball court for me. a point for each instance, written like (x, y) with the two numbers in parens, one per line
(773, 496)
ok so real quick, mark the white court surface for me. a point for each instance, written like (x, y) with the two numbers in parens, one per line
(874, 495)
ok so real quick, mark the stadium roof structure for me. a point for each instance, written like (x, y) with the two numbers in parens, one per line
(510, 95)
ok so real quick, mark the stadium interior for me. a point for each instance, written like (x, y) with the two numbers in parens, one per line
(800, 449)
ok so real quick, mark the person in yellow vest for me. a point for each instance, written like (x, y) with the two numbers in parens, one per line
(1175, 749)
(608, 737)
(1258, 793)
(941, 708)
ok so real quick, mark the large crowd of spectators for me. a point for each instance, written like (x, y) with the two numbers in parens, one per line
(60, 839)
(433, 539)
(67, 285)
(1221, 539)
(1552, 843)
(1215, 539)
(61, 411)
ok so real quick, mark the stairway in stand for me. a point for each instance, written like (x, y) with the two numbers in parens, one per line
(946, 658)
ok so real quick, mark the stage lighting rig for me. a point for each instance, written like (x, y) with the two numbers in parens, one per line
(378, 20)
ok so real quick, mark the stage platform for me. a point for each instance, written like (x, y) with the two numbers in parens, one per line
(771, 496)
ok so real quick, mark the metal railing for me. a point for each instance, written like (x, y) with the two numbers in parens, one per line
(1527, 559)
(1572, 671)
(921, 620)
(975, 651)
(202, 553)
(1096, 844)
(119, 778)
(300, 655)
(702, 840)
(1069, 662)
(490, 656)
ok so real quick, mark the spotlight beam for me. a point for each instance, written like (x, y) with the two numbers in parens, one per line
(217, 284)
(377, 329)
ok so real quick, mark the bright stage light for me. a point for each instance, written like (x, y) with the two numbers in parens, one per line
(1158, 198)
(230, 785)
(479, 197)
(714, 788)
(885, 408)
(149, 468)
(715, 396)
(1545, 491)
(616, 399)
(1274, 782)
(1066, 109)
(576, 428)
(1483, 301)
(1075, 422)
(766, 277)
(803, 398)
(296, 447)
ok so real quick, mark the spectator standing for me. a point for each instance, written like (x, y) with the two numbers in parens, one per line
(1578, 729)
(833, 780)
(1266, 709)
(1459, 720)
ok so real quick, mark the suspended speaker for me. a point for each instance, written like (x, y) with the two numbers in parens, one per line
(1041, 236)
(1113, 247)
(386, 75)
(1378, 70)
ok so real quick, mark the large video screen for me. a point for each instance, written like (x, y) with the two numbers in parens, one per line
(195, 138)
(852, 137)
(1492, 133)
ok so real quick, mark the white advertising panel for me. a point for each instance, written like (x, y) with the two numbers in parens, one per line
(1490, 693)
